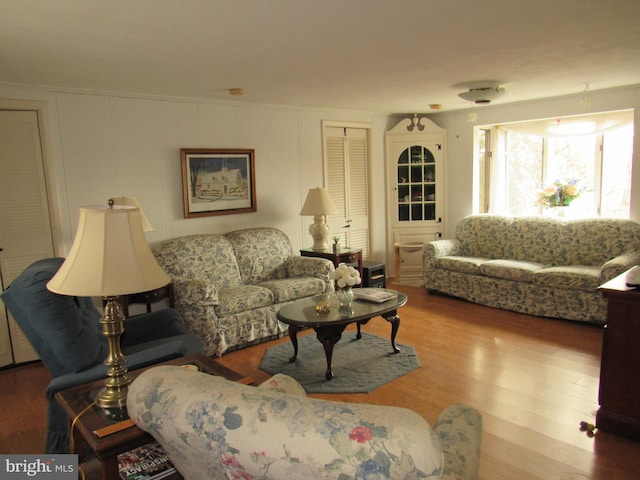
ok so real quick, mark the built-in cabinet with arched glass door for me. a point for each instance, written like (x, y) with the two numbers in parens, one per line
(415, 157)
(416, 184)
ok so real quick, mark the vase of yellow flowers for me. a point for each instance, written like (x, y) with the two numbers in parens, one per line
(345, 278)
(558, 194)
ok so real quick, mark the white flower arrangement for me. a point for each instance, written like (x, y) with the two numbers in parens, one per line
(345, 276)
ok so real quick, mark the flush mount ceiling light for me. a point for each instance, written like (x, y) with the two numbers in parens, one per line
(482, 95)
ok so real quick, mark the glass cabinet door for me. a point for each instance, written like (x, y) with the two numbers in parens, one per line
(416, 185)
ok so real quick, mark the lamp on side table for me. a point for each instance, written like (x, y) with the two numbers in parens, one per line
(319, 204)
(110, 257)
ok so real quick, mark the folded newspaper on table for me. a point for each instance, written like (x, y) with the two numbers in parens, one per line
(373, 294)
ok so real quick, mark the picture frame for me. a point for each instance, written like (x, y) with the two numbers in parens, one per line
(218, 181)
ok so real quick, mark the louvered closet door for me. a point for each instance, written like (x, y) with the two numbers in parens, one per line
(346, 158)
(25, 229)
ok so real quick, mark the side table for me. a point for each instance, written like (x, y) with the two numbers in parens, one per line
(343, 256)
(77, 403)
(619, 390)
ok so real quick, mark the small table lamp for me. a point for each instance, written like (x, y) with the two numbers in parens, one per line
(319, 204)
(110, 257)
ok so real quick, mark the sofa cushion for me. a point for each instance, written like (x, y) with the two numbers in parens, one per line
(242, 298)
(515, 270)
(201, 257)
(594, 241)
(482, 235)
(293, 288)
(461, 264)
(261, 253)
(569, 277)
(532, 239)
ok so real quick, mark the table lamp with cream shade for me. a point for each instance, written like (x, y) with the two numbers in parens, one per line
(319, 204)
(110, 257)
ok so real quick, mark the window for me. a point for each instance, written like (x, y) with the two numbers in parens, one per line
(592, 152)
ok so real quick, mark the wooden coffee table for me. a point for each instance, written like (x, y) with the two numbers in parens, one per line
(77, 403)
(301, 314)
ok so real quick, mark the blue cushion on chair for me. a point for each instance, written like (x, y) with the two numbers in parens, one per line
(63, 330)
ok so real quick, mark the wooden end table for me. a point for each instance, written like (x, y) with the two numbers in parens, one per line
(343, 256)
(77, 403)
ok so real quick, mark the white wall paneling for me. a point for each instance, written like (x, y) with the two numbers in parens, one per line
(91, 137)
(112, 145)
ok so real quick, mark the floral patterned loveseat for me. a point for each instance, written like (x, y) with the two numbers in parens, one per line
(212, 428)
(548, 267)
(228, 288)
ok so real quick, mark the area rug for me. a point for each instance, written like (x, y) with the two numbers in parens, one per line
(359, 366)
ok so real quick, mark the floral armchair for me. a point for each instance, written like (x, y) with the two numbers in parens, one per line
(213, 428)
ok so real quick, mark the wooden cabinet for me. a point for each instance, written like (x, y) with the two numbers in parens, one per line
(415, 158)
(619, 392)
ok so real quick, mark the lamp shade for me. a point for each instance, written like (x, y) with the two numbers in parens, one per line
(133, 202)
(110, 256)
(318, 202)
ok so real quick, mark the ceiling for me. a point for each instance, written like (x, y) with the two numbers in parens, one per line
(383, 56)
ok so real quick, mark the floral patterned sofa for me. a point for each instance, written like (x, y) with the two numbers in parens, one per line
(212, 428)
(548, 267)
(228, 288)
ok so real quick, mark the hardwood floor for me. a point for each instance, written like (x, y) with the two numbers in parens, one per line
(533, 379)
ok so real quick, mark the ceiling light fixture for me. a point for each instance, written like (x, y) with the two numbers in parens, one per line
(236, 92)
(482, 95)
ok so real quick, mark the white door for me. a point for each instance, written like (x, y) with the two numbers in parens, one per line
(346, 160)
(25, 228)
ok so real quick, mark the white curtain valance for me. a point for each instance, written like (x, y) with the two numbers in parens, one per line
(578, 125)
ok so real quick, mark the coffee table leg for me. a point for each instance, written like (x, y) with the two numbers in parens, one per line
(328, 337)
(293, 335)
(394, 320)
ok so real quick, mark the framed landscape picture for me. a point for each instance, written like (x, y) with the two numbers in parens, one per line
(218, 181)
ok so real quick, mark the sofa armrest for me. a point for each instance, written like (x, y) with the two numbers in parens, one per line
(299, 266)
(460, 431)
(618, 265)
(438, 248)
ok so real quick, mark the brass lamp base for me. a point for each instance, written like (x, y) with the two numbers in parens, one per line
(114, 395)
